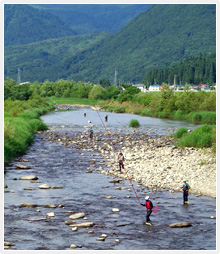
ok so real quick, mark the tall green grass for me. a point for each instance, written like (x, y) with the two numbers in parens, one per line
(21, 120)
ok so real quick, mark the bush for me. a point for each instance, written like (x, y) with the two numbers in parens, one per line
(200, 137)
(134, 123)
(180, 132)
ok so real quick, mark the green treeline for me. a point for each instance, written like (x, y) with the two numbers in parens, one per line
(193, 70)
(198, 107)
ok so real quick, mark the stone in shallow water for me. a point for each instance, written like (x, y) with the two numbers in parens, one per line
(76, 216)
(28, 178)
(44, 186)
(180, 224)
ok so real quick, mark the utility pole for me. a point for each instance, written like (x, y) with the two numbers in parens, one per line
(174, 85)
(115, 80)
(19, 76)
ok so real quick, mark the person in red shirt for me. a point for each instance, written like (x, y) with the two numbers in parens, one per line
(149, 205)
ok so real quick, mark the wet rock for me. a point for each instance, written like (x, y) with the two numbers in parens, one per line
(115, 210)
(69, 222)
(109, 197)
(28, 205)
(56, 187)
(44, 186)
(180, 225)
(22, 166)
(103, 236)
(74, 229)
(85, 224)
(212, 217)
(61, 206)
(29, 189)
(117, 240)
(28, 178)
(77, 216)
(115, 181)
(51, 214)
(100, 239)
(8, 244)
(73, 246)
(49, 206)
(5, 186)
(33, 181)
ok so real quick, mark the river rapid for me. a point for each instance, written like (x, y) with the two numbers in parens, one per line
(76, 185)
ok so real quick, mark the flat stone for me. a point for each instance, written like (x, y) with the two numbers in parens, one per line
(109, 197)
(100, 239)
(69, 222)
(74, 229)
(49, 206)
(8, 244)
(28, 205)
(22, 166)
(77, 216)
(180, 225)
(84, 224)
(29, 189)
(115, 210)
(56, 187)
(28, 178)
(44, 186)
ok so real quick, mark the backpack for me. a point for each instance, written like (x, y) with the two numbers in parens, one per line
(148, 204)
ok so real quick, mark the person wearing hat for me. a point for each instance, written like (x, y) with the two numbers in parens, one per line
(149, 205)
(185, 189)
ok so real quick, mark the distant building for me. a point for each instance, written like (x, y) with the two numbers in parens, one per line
(204, 87)
(142, 87)
(154, 88)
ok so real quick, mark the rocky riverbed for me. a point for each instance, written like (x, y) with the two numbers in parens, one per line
(66, 193)
(153, 161)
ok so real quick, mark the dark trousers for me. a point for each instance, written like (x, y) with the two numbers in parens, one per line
(185, 195)
(121, 165)
(149, 211)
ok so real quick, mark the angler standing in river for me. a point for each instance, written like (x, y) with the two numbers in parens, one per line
(185, 189)
(149, 205)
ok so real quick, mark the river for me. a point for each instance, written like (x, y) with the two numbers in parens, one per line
(65, 166)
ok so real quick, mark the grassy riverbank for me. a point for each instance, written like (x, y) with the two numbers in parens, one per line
(21, 120)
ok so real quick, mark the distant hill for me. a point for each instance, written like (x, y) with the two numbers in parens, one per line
(24, 24)
(162, 35)
(40, 61)
(93, 18)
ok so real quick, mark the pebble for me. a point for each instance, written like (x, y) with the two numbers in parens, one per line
(74, 229)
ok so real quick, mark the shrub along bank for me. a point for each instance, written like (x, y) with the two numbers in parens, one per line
(21, 120)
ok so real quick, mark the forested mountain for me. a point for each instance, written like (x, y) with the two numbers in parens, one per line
(93, 18)
(40, 61)
(163, 35)
(24, 24)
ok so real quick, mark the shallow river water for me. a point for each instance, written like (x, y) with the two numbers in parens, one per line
(58, 165)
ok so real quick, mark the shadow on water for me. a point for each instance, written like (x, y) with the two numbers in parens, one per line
(58, 165)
